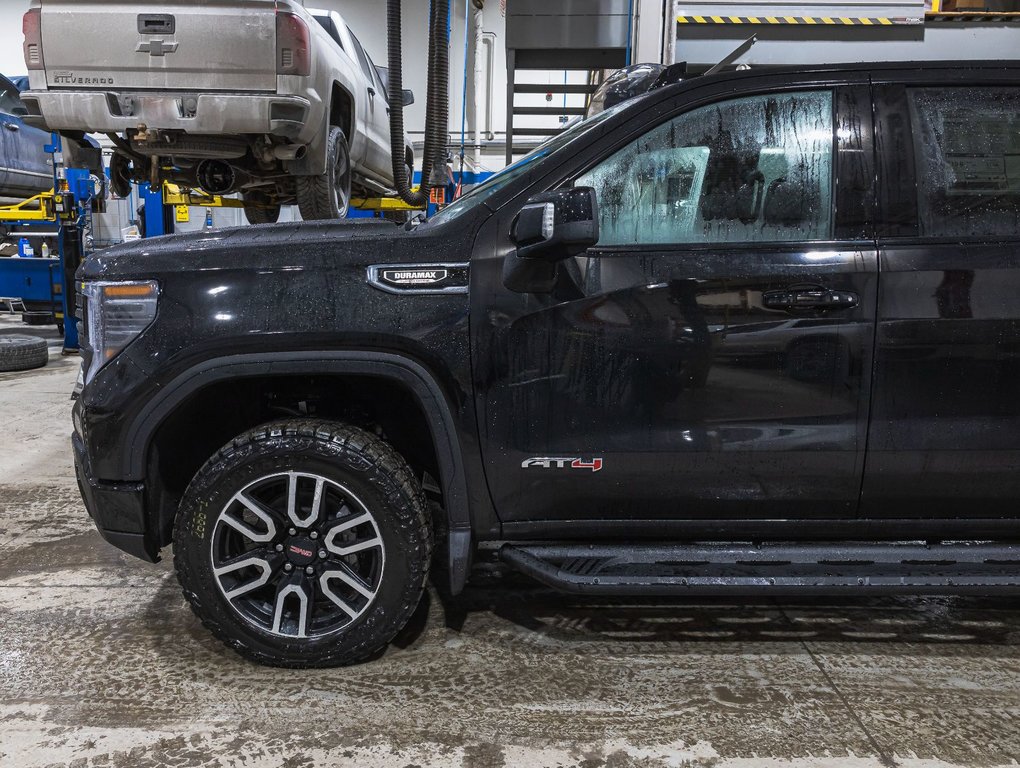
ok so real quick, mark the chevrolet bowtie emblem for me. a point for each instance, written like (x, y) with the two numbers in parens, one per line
(157, 48)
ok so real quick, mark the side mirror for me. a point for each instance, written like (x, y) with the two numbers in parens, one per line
(20, 111)
(554, 226)
(408, 97)
(550, 228)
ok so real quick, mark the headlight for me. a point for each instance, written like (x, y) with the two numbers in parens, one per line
(114, 316)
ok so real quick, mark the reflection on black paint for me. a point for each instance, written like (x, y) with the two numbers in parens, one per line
(953, 293)
(700, 399)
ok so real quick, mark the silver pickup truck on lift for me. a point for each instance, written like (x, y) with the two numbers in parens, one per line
(261, 97)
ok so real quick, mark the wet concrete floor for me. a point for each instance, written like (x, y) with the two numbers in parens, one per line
(102, 664)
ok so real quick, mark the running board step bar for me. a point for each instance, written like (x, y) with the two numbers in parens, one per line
(776, 569)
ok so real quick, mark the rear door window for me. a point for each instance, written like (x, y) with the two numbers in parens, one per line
(326, 22)
(366, 65)
(967, 153)
(10, 99)
(750, 170)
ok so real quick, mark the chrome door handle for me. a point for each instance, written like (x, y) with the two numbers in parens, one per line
(12, 127)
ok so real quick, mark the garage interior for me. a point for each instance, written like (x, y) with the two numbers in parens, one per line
(102, 663)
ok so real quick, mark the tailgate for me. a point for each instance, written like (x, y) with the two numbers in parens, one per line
(207, 46)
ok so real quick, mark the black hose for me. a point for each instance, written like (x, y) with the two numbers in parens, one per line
(436, 107)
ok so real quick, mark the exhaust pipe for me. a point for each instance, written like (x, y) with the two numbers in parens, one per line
(216, 177)
(290, 151)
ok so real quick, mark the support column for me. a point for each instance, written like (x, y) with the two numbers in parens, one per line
(649, 24)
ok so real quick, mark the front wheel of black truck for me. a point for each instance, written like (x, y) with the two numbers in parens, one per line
(304, 543)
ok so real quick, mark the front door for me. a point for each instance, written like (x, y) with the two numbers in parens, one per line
(945, 436)
(710, 358)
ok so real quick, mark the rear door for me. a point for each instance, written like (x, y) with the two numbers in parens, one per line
(376, 113)
(710, 358)
(945, 435)
(214, 45)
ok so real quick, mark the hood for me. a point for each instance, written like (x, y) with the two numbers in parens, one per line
(265, 246)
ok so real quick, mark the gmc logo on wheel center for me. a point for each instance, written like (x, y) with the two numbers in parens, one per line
(562, 463)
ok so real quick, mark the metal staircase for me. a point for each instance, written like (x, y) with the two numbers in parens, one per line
(567, 35)
(514, 110)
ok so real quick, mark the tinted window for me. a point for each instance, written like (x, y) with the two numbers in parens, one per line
(9, 98)
(384, 79)
(756, 169)
(967, 150)
(366, 65)
(327, 24)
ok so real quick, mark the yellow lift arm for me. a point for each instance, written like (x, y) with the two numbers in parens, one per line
(175, 195)
(382, 204)
(38, 208)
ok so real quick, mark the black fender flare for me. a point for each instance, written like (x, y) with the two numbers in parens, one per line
(407, 371)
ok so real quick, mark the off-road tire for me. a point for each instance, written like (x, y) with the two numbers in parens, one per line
(328, 196)
(260, 209)
(22, 353)
(348, 455)
(120, 175)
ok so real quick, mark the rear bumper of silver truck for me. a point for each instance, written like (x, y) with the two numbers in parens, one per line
(202, 113)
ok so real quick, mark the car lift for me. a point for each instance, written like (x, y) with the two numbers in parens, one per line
(176, 196)
(64, 214)
(196, 198)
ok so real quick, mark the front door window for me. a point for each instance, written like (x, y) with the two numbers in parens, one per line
(750, 170)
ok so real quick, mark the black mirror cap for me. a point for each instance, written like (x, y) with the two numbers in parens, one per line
(408, 97)
(529, 275)
(556, 225)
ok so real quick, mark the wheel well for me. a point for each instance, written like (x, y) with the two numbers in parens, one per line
(341, 111)
(226, 409)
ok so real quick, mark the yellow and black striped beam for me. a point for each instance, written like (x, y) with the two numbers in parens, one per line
(845, 21)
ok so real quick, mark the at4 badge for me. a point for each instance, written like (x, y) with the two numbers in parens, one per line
(562, 463)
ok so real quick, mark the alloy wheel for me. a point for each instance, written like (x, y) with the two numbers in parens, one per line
(297, 555)
(342, 180)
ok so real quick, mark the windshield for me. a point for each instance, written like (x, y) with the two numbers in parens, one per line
(496, 182)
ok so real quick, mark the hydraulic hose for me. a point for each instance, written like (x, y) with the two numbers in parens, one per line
(437, 104)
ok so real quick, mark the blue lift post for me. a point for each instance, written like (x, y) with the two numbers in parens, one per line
(152, 201)
(64, 214)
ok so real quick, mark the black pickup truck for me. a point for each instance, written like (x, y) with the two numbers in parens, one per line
(756, 332)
